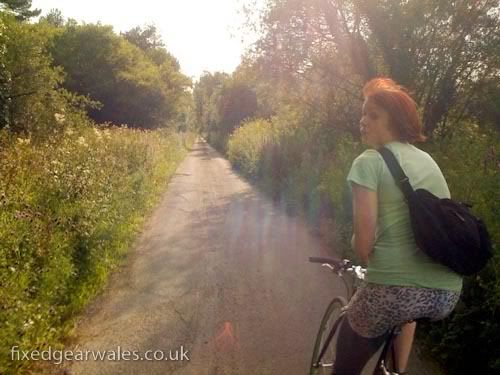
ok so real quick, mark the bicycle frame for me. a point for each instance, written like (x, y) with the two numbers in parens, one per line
(329, 338)
(380, 365)
(358, 273)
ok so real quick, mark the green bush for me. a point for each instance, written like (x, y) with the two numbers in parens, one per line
(218, 140)
(246, 144)
(28, 81)
(70, 208)
(469, 161)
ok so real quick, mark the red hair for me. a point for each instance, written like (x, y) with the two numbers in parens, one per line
(402, 109)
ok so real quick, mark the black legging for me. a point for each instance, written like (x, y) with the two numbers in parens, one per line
(353, 351)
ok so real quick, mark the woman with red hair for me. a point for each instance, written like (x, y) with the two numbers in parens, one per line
(402, 283)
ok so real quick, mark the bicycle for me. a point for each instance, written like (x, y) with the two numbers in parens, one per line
(324, 346)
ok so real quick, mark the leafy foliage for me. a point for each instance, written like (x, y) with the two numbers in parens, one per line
(237, 103)
(29, 81)
(134, 88)
(21, 8)
(70, 208)
(4, 77)
(220, 105)
(148, 40)
(442, 51)
(246, 145)
(54, 17)
(74, 194)
(205, 94)
(469, 160)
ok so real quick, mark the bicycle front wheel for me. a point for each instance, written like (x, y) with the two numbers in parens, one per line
(325, 345)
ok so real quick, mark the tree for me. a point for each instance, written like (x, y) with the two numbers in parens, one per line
(21, 8)
(54, 18)
(237, 103)
(145, 38)
(206, 95)
(133, 88)
(29, 82)
(440, 50)
(148, 40)
(221, 103)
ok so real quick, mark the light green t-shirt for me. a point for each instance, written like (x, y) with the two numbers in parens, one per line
(396, 259)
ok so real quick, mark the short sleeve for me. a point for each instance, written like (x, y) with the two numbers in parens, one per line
(366, 170)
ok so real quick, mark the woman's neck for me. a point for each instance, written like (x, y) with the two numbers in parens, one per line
(382, 142)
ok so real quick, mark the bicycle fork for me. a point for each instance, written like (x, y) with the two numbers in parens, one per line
(327, 343)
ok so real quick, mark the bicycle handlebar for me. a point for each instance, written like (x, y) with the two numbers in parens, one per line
(339, 266)
(334, 262)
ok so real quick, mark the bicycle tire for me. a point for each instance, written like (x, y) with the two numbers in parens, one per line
(330, 317)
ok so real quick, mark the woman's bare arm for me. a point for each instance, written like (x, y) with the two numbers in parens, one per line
(365, 206)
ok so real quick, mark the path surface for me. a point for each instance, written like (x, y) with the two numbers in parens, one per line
(218, 270)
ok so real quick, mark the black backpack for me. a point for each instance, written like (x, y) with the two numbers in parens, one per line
(444, 229)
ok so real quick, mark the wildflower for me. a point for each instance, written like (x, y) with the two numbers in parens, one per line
(59, 118)
(23, 141)
(81, 141)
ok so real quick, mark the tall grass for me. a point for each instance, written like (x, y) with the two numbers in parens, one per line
(71, 206)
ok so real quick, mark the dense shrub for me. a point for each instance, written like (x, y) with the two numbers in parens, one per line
(70, 208)
(469, 161)
(246, 144)
(28, 81)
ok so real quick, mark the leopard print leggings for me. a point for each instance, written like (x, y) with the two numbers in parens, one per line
(375, 308)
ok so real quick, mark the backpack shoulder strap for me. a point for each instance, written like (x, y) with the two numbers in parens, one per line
(397, 172)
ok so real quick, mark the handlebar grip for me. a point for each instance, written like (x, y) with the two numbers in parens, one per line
(334, 262)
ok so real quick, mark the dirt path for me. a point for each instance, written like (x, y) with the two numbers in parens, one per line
(218, 270)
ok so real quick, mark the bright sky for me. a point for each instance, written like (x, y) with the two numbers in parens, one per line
(201, 34)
